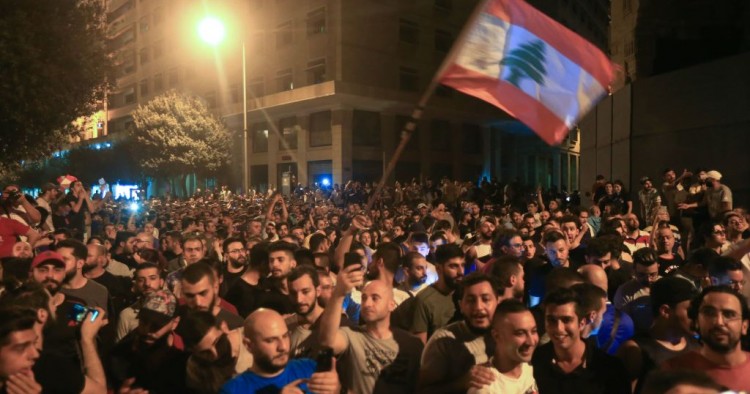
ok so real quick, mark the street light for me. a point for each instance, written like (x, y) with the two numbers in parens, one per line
(212, 31)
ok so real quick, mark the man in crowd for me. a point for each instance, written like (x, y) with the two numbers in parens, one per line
(216, 353)
(649, 198)
(568, 364)
(118, 287)
(235, 256)
(385, 262)
(434, 306)
(635, 238)
(510, 275)
(515, 337)
(267, 339)
(721, 317)
(670, 335)
(304, 284)
(49, 195)
(415, 273)
(172, 245)
(148, 355)
(633, 297)
(193, 252)
(75, 284)
(200, 289)
(147, 279)
(454, 357)
(275, 293)
(18, 352)
(395, 368)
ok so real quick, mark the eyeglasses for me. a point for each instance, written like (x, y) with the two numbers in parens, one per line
(713, 313)
(737, 283)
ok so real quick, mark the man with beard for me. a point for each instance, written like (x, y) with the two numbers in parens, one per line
(117, 286)
(515, 336)
(304, 285)
(275, 293)
(481, 251)
(669, 336)
(415, 273)
(634, 296)
(375, 357)
(193, 251)
(74, 254)
(235, 255)
(147, 279)
(200, 289)
(216, 353)
(434, 306)
(267, 338)
(721, 317)
(123, 248)
(245, 292)
(453, 358)
(146, 358)
(18, 353)
(66, 348)
(568, 364)
(635, 238)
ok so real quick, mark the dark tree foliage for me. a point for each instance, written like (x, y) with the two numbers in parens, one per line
(53, 68)
(175, 135)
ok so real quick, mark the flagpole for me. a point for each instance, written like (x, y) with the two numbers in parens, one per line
(416, 114)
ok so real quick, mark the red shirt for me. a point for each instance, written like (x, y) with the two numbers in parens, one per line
(9, 231)
(736, 378)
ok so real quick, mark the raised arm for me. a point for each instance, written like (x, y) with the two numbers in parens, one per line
(32, 213)
(95, 380)
(359, 222)
(330, 335)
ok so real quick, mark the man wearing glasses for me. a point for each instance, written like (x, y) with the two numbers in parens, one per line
(634, 296)
(236, 259)
(721, 316)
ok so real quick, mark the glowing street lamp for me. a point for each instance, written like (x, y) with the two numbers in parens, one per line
(212, 31)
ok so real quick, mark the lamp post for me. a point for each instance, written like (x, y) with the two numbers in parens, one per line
(212, 31)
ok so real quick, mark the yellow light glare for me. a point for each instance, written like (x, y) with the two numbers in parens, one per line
(211, 30)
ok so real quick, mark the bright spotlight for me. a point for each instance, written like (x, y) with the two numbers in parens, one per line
(211, 30)
(134, 206)
(325, 182)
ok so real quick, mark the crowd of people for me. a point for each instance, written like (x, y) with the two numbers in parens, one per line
(431, 287)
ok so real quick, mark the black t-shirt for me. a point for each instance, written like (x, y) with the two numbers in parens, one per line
(616, 278)
(160, 369)
(229, 280)
(244, 297)
(600, 373)
(274, 299)
(667, 266)
(119, 288)
(59, 368)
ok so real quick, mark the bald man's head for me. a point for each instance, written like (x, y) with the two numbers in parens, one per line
(595, 275)
(377, 302)
(267, 338)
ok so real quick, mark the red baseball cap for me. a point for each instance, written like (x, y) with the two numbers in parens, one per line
(48, 257)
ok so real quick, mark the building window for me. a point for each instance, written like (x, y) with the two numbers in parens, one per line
(143, 24)
(445, 5)
(144, 55)
(316, 71)
(120, 11)
(143, 87)
(408, 79)
(472, 138)
(440, 135)
(158, 82)
(128, 94)
(366, 128)
(320, 129)
(413, 143)
(284, 34)
(128, 63)
(174, 77)
(256, 88)
(288, 129)
(284, 80)
(443, 41)
(210, 98)
(158, 49)
(408, 32)
(235, 95)
(316, 22)
(260, 137)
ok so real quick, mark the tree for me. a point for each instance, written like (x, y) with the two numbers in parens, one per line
(176, 135)
(54, 66)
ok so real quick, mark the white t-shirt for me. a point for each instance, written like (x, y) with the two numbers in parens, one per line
(503, 384)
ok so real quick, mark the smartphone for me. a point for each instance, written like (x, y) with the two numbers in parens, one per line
(324, 360)
(352, 258)
(79, 312)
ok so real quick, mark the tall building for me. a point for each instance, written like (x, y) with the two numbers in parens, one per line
(330, 84)
(652, 37)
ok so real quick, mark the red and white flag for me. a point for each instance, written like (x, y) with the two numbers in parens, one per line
(530, 66)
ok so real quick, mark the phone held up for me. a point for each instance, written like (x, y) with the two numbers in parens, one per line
(352, 258)
(324, 360)
(79, 312)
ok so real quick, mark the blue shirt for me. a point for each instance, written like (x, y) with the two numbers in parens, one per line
(248, 382)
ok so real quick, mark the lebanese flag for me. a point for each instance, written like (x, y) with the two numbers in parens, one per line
(530, 66)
